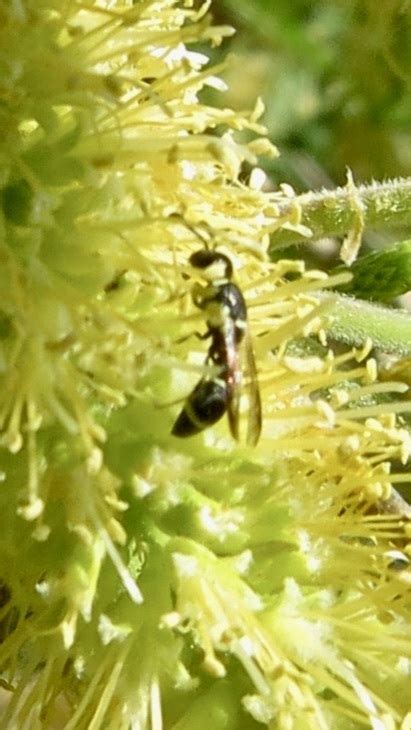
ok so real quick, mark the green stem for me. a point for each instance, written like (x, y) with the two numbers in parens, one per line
(354, 321)
(336, 212)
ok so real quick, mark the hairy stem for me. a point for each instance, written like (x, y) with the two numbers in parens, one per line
(354, 321)
(336, 212)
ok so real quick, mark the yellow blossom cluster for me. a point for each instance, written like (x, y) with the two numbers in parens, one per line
(147, 581)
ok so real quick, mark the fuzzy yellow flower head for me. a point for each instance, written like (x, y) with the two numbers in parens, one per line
(149, 581)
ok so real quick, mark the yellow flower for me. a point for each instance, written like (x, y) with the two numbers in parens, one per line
(149, 581)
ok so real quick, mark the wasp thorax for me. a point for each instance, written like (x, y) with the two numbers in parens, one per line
(215, 266)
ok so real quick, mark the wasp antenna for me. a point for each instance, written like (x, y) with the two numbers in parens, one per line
(199, 235)
(191, 228)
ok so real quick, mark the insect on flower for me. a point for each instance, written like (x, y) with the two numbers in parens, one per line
(226, 318)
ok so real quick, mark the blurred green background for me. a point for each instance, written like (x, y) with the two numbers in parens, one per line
(335, 77)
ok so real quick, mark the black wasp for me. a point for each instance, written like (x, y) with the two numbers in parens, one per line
(226, 319)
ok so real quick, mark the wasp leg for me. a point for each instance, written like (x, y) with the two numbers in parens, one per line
(199, 335)
(160, 405)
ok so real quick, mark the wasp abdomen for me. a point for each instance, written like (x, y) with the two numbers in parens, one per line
(205, 405)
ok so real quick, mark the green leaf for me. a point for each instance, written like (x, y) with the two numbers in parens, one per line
(381, 275)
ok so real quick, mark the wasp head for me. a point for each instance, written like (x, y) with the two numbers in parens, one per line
(215, 266)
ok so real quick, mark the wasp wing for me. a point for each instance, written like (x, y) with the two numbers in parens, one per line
(254, 422)
(240, 373)
(231, 373)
